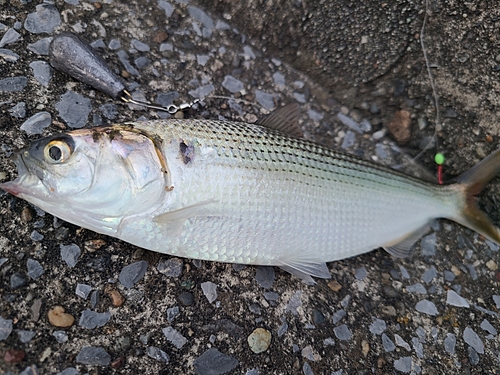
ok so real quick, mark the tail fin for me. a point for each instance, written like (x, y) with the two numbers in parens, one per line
(473, 181)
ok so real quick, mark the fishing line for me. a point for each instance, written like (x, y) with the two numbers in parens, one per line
(439, 157)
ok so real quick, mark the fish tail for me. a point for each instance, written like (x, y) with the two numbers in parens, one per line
(473, 181)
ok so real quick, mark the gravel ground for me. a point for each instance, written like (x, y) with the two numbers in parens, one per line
(75, 302)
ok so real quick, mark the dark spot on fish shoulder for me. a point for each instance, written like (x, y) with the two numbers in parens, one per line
(186, 152)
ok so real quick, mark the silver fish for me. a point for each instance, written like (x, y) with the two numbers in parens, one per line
(239, 193)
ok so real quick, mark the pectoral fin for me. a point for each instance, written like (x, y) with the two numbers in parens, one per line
(184, 213)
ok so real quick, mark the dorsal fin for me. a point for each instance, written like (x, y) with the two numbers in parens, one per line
(284, 119)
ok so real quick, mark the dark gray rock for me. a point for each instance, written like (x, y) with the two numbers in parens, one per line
(200, 16)
(17, 280)
(186, 298)
(114, 44)
(37, 123)
(342, 332)
(213, 362)
(25, 336)
(472, 338)
(92, 319)
(132, 273)
(174, 337)
(209, 290)
(10, 36)
(69, 371)
(232, 84)
(265, 276)
(42, 72)
(167, 7)
(40, 47)
(158, 354)
(171, 267)
(109, 110)
(35, 269)
(268, 101)
(202, 91)
(140, 46)
(74, 109)
(70, 254)
(5, 328)
(13, 84)
(123, 56)
(142, 62)
(83, 290)
(172, 312)
(8, 55)
(60, 336)
(44, 20)
(30, 370)
(91, 355)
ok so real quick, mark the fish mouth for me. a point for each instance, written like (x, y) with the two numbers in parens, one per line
(25, 179)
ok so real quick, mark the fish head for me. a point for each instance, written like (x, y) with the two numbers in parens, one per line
(91, 177)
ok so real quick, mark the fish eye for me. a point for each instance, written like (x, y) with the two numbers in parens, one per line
(57, 151)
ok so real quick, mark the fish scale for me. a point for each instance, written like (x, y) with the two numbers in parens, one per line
(241, 193)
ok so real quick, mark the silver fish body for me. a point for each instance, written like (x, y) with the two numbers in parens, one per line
(236, 192)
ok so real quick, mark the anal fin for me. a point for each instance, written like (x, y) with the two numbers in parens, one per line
(401, 248)
(306, 271)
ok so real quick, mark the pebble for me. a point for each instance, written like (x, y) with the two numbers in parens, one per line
(17, 280)
(109, 110)
(91, 355)
(416, 288)
(3, 261)
(58, 318)
(271, 296)
(14, 356)
(342, 332)
(232, 84)
(334, 285)
(44, 20)
(167, 7)
(265, 276)
(140, 46)
(172, 313)
(318, 317)
(35, 269)
(449, 276)
(19, 110)
(8, 55)
(186, 298)
(452, 298)
(171, 267)
(428, 245)
(473, 356)
(209, 290)
(402, 343)
(174, 337)
(338, 316)
(42, 72)
(202, 59)
(40, 47)
(403, 364)
(294, 303)
(37, 123)
(74, 109)
(158, 354)
(264, 99)
(449, 343)
(60, 336)
(387, 343)
(25, 336)
(349, 140)
(36, 236)
(133, 273)
(213, 362)
(123, 56)
(429, 275)
(202, 91)
(419, 348)
(378, 326)
(426, 307)
(5, 328)
(83, 290)
(301, 98)
(360, 273)
(329, 341)
(349, 122)
(399, 126)
(10, 36)
(200, 16)
(488, 327)
(70, 254)
(259, 340)
(314, 115)
(491, 264)
(35, 309)
(279, 80)
(13, 84)
(471, 338)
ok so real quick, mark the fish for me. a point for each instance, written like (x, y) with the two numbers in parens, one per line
(236, 192)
